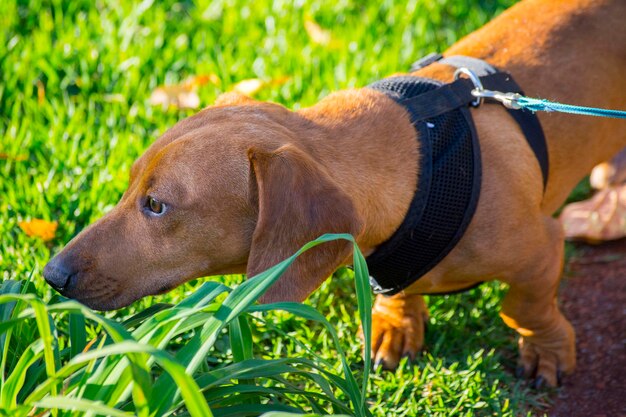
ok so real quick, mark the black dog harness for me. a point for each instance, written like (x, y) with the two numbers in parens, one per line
(448, 184)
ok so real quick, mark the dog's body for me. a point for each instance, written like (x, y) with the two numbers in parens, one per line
(245, 184)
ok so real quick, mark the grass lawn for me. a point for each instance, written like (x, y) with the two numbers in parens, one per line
(75, 82)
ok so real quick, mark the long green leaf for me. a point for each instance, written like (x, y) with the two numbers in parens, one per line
(65, 403)
(285, 414)
(240, 338)
(15, 381)
(78, 334)
(310, 313)
(364, 301)
(189, 389)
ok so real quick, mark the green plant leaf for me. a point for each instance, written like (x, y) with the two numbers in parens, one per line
(74, 404)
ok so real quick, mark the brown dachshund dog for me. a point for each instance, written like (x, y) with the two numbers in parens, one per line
(242, 185)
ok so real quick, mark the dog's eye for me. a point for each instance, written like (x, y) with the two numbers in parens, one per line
(155, 205)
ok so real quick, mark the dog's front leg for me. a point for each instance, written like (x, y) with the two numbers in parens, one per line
(398, 324)
(530, 307)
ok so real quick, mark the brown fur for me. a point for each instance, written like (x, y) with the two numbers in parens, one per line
(248, 183)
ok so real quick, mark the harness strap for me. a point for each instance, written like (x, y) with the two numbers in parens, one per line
(458, 93)
(447, 189)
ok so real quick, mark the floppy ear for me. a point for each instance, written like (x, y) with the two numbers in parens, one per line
(298, 201)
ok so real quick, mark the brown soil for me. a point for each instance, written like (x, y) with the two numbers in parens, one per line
(593, 298)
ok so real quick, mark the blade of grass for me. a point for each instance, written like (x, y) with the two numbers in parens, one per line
(285, 414)
(74, 404)
(241, 338)
(310, 313)
(190, 391)
(49, 343)
(364, 301)
(15, 380)
(6, 312)
(272, 369)
(251, 409)
(78, 334)
(116, 331)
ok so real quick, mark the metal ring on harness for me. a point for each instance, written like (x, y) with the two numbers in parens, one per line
(478, 86)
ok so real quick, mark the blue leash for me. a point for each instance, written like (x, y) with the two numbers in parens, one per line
(534, 105)
(517, 101)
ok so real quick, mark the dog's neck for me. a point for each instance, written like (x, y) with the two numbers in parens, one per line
(367, 121)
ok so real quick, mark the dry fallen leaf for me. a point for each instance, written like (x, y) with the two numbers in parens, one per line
(206, 78)
(316, 33)
(41, 92)
(602, 217)
(251, 86)
(182, 95)
(90, 344)
(176, 96)
(39, 228)
(609, 173)
(17, 158)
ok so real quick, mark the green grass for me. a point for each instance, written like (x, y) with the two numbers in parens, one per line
(75, 78)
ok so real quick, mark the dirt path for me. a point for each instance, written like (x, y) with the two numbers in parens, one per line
(593, 298)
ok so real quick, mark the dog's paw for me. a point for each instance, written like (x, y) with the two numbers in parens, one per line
(398, 325)
(546, 359)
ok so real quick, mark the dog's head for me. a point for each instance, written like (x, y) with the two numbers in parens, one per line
(225, 191)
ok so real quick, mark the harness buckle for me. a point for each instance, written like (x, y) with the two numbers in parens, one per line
(478, 86)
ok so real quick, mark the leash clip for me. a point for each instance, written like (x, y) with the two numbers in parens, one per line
(478, 86)
(508, 100)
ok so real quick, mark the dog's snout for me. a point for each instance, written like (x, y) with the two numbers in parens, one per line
(57, 274)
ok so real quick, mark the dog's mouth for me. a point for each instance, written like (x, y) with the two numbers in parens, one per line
(100, 293)
(165, 289)
(104, 294)
(102, 300)
(103, 285)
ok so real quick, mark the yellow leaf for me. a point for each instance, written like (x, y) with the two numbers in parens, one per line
(182, 95)
(175, 95)
(249, 87)
(279, 80)
(206, 78)
(39, 228)
(89, 344)
(252, 86)
(17, 158)
(316, 33)
(41, 92)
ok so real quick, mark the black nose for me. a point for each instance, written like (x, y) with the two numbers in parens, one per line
(57, 274)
